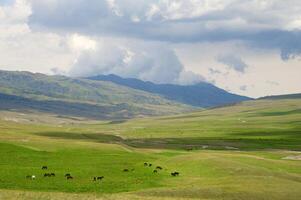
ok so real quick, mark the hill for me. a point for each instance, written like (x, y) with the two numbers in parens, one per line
(201, 94)
(285, 96)
(232, 152)
(80, 97)
(250, 125)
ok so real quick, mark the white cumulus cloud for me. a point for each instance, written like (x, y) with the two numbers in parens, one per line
(156, 63)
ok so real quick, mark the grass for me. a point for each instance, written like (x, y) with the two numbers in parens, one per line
(204, 174)
(202, 146)
(83, 164)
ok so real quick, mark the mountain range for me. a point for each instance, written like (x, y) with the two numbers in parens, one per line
(80, 97)
(105, 96)
(202, 94)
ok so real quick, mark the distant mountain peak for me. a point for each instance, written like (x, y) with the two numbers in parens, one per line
(201, 94)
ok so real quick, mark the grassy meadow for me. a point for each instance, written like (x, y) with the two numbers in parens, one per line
(246, 151)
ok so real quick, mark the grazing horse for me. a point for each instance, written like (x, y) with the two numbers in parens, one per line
(69, 177)
(52, 174)
(175, 173)
(94, 178)
(149, 164)
(145, 164)
(155, 171)
(47, 174)
(66, 175)
(44, 167)
(31, 177)
(158, 167)
(100, 177)
(125, 170)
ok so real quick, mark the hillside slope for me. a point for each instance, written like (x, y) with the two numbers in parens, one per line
(201, 94)
(71, 95)
(258, 124)
(251, 125)
(285, 96)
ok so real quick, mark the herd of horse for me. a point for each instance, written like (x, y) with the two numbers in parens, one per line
(98, 178)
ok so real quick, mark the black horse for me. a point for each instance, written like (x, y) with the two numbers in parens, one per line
(175, 173)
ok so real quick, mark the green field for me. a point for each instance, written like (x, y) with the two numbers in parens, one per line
(245, 151)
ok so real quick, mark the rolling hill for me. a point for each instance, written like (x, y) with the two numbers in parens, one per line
(250, 125)
(285, 96)
(80, 97)
(202, 94)
(250, 150)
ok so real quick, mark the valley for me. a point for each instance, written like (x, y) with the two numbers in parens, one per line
(231, 152)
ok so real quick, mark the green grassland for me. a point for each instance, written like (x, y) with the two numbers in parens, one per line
(246, 151)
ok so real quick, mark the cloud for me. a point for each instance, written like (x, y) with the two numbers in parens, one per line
(243, 88)
(265, 24)
(58, 71)
(287, 41)
(110, 36)
(188, 78)
(79, 42)
(214, 71)
(6, 2)
(233, 62)
(188, 9)
(13, 18)
(23, 49)
(156, 63)
(91, 55)
(274, 83)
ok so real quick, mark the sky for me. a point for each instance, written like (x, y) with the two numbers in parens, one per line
(247, 47)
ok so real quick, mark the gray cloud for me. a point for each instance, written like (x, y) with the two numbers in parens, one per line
(37, 35)
(214, 71)
(233, 62)
(155, 63)
(288, 42)
(264, 24)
